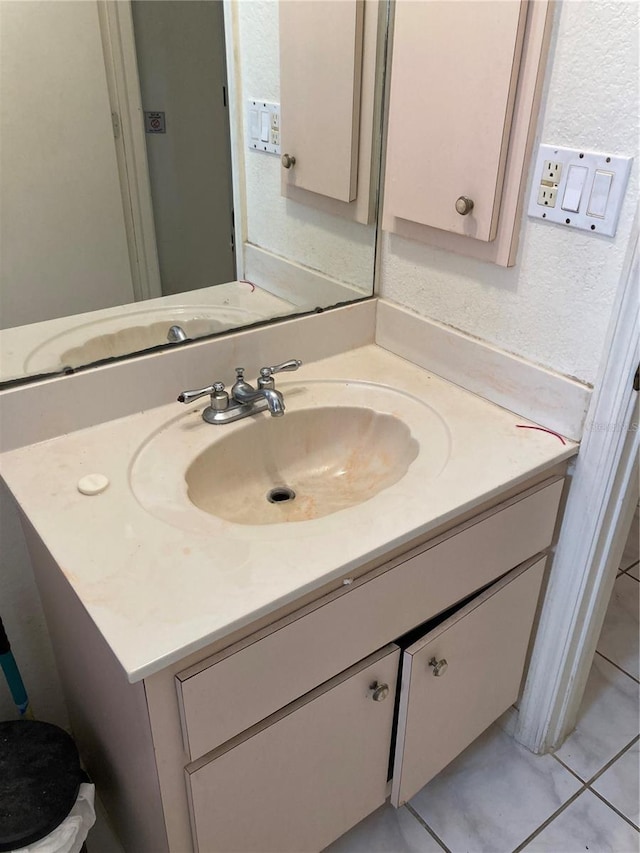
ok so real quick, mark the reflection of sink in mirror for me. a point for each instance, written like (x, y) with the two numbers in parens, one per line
(139, 337)
(126, 333)
(86, 338)
(304, 466)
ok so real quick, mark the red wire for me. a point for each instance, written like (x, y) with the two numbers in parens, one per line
(542, 429)
(250, 283)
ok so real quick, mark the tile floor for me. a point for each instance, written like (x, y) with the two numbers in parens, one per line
(497, 797)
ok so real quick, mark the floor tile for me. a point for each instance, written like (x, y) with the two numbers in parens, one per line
(619, 640)
(631, 549)
(387, 830)
(607, 722)
(494, 795)
(620, 784)
(586, 824)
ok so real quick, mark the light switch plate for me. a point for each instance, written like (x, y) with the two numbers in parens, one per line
(564, 158)
(259, 116)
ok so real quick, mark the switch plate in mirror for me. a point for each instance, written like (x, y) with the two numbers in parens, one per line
(263, 126)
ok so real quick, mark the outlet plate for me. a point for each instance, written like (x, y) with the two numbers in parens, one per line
(550, 174)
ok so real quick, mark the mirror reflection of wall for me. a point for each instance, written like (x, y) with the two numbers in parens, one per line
(111, 233)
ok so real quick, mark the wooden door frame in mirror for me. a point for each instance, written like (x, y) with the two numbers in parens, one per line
(118, 44)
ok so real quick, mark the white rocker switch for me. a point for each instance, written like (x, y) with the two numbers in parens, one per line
(574, 187)
(600, 194)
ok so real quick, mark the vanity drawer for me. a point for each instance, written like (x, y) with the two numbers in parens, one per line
(478, 654)
(243, 684)
(304, 776)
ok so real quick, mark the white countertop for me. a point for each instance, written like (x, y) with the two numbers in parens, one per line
(162, 584)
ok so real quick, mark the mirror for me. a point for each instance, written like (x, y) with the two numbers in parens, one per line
(175, 169)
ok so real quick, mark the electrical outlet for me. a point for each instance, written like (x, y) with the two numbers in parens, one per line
(547, 195)
(551, 171)
(574, 188)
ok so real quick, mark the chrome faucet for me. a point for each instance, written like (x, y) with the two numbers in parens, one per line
(176, 334)
(244, 399)
(246, 394)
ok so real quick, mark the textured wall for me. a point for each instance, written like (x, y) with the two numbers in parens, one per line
(341, 249)
(554, 305)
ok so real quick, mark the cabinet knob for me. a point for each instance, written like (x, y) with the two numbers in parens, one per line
(380, 691)
(439, 667)
(288, 161)
(464, 205)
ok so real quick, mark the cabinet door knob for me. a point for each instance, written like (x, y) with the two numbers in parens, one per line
(439, 667)
(288, 161)
(464, 205)
(380, 691)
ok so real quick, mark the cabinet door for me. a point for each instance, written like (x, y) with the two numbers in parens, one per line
(320, 75)
(453, 85)
(445, 706)
(306, 775)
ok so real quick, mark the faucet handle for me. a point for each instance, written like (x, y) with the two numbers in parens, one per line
(265, 380)
(216, 391)
(190, 396)
(292, 364)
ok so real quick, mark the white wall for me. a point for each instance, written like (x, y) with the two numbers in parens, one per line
(63, 240)
(334, 246)
(553, 307)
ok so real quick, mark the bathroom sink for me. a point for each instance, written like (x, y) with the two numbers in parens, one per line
(131, 331)
(340, 446)
(303, 466)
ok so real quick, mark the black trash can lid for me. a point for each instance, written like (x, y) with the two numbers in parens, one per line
(40, 776)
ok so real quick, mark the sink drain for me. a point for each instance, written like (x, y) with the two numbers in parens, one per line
(281, 494)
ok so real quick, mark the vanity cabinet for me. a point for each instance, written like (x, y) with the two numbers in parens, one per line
(464, 662)
(317, 767)
(304, 776)
(466, 81)
(331, 87)
(271, 668)
(453, 81)
(286, 734)
(320, 69)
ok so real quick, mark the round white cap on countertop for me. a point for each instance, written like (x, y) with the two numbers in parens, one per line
(92, 484)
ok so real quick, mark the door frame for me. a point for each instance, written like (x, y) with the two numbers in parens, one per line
(121, 65)
(597, 516)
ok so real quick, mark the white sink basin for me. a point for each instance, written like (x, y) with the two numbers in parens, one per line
(305, 465)
(339, 445)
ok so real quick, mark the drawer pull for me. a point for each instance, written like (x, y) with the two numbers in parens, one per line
(439, 667)
(380, 691)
